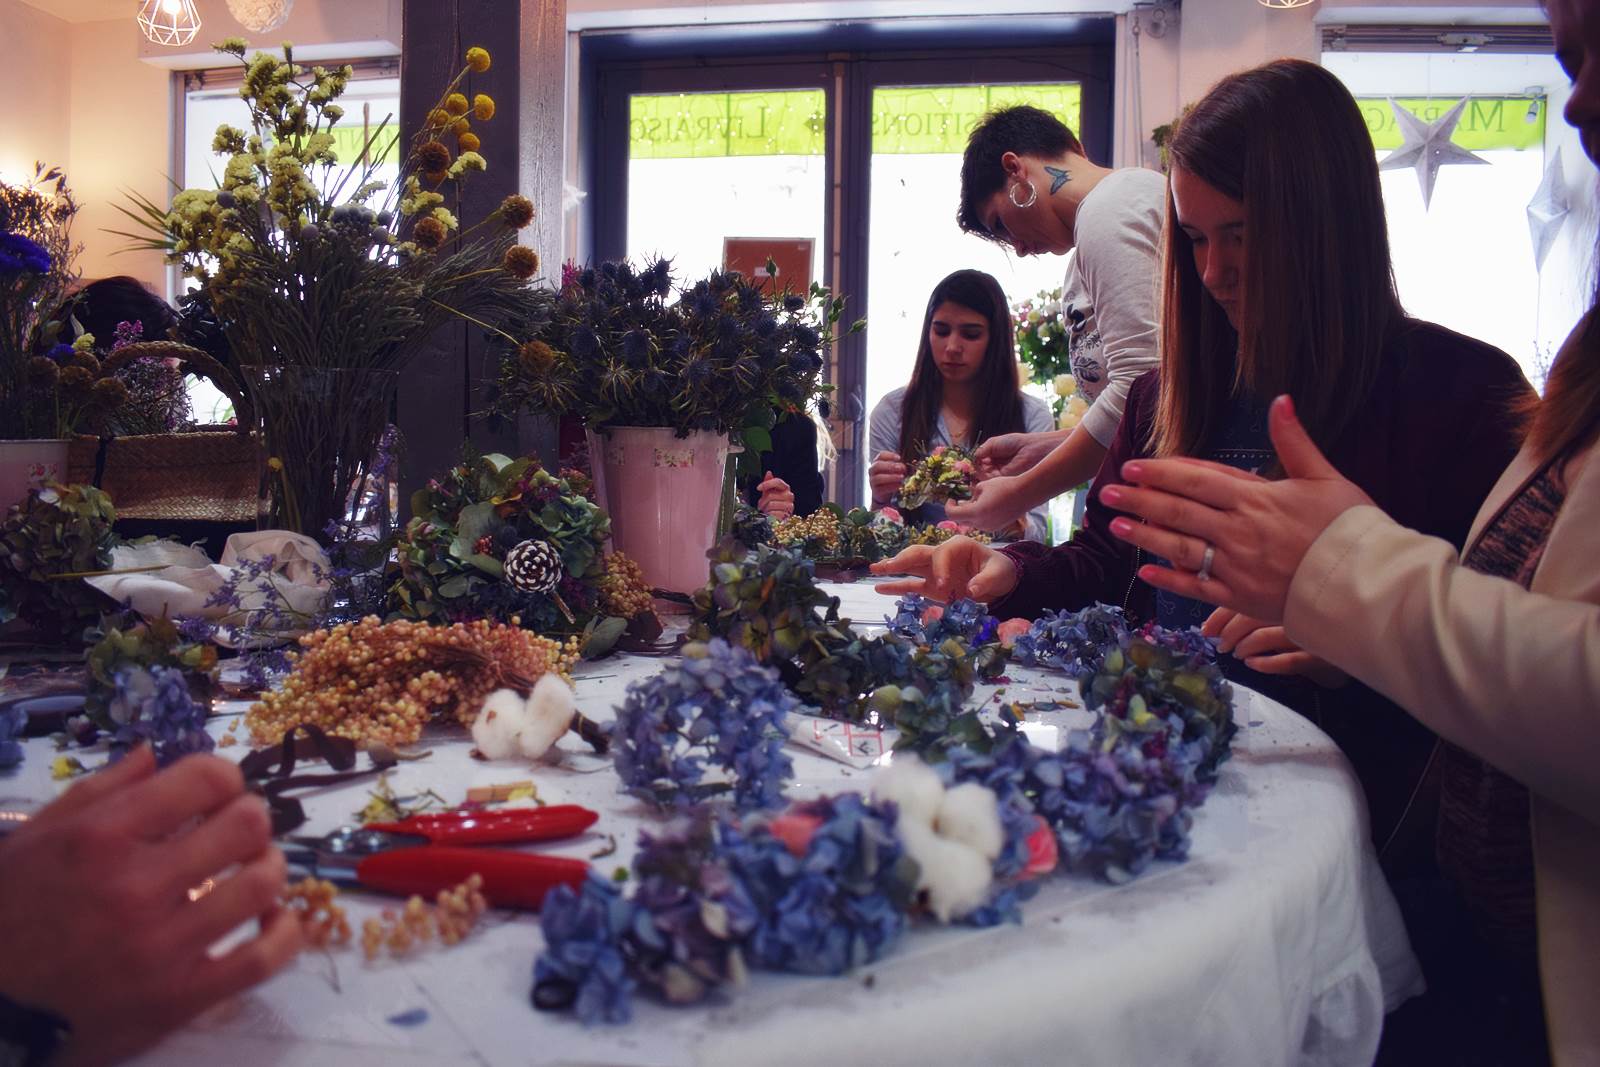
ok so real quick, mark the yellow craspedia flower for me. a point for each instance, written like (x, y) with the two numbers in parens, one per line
(456, 104)
(438, 117)
(468, 142)
(275, 464)
(478, 59)
(483, 106)
(460, 126)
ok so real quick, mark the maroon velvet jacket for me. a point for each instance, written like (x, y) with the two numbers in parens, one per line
(1434, 436)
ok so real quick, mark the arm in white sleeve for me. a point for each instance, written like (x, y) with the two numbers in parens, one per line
(1119, 256)
(1511, 675)
(1037, 419)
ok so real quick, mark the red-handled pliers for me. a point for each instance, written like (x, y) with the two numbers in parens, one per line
(422, 853)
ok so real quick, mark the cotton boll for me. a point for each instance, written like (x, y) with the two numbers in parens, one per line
(954, 879)
(549, 713)
(502, 717)
(913, 786)
(971, 814)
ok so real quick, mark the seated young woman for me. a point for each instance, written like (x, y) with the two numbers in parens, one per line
(964, 390)
(1028, 184)
(1276, 279)
(791, 480)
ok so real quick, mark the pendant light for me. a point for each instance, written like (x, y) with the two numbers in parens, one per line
(169, 22)
(260, 16)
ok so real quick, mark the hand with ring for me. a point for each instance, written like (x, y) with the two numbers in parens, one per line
(1234, 538)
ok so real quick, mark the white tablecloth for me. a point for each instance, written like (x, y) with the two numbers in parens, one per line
(1277, 942)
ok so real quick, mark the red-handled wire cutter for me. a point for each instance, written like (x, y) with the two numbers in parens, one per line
(426, 853)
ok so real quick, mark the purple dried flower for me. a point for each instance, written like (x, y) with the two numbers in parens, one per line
(582, 966)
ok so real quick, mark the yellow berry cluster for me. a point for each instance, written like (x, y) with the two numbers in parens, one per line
(377, 681)
(623, 590)
(454, 913)
(933, 535)
(821, 526)
(322, 922)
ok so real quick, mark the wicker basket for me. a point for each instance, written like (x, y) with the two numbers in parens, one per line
(211, 475)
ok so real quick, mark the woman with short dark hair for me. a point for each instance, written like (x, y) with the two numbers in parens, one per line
(1027, 183)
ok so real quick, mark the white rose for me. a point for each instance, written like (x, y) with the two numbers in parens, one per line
(1066, 385)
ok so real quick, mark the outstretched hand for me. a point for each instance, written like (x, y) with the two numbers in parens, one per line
(1259, 530)
(1010, 454)
(961, 567)
(994, 505)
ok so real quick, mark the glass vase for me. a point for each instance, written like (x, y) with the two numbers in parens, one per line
(321, 427)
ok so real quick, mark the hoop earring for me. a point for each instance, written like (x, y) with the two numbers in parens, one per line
(1033, 193)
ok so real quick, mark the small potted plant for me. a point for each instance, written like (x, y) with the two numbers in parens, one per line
(664, 387)
(36, 270)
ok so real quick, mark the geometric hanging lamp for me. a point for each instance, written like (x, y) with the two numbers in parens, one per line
(1284, 5)
(260, 16)
(169, 22)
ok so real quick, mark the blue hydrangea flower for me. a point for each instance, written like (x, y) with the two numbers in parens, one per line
(154, 704)
(20, 255)
(717, 707)
(1071, 641)
(13, 721)
(965, 619)
(582, 967)
(840, 905)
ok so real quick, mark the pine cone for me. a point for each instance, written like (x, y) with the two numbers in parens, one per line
(534, 567)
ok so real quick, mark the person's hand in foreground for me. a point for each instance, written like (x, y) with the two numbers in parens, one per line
(1015, 453)
(96, 918)
(961, 567)
(1258, 530)
(1265, 647)
(777, 499)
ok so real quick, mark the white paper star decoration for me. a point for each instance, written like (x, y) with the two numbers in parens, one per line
(1548, 210)
(1427, 147)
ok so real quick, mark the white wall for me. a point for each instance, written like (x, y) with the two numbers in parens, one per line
(121, 137)
(34, 85)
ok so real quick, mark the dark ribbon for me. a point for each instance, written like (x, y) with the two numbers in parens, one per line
(270, 771)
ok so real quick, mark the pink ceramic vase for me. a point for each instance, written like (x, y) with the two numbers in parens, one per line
(26, 465)
(662, 493)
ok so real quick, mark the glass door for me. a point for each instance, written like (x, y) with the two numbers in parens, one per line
(918, 135)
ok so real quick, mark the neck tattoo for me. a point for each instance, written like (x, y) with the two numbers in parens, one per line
(1059, 176)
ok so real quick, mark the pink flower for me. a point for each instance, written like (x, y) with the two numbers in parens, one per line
(1042, 855)
(795, 831)
(892, 515)
(951, 525)
(938, 451)
(932, 613)
(1011, 629)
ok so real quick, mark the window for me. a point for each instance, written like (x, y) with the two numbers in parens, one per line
(820, 134)
(1466, 258)
(211, 98)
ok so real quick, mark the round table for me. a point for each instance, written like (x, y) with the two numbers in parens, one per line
(1277, 941)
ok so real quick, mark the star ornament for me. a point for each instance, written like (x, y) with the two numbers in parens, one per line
(1427, 146)
(1548, 210)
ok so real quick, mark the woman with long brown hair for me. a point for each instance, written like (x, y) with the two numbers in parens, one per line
(1496, 648)
(964, 390)
(1277, 280)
